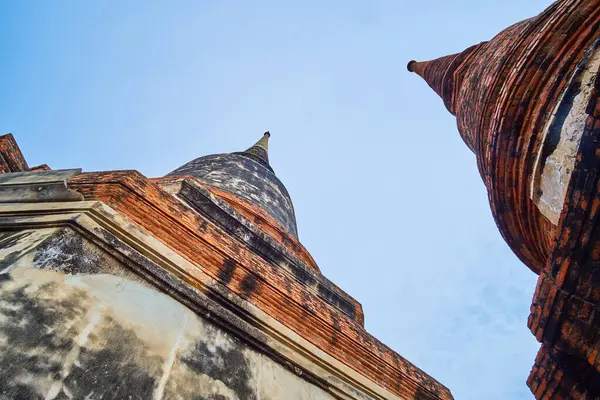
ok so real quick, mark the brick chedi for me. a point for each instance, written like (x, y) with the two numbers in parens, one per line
(190, 286)
(527, 104)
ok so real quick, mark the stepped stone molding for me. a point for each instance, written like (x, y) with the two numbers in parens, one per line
(120, 286)
(149, 261)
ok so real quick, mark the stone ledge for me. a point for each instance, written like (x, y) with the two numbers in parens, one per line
(202, 200)
(182, 280)
(38, 186)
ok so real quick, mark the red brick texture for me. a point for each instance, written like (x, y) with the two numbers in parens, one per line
(11, 158)
(503, 93)
(559, 376)
(245, 273)
(268, 225)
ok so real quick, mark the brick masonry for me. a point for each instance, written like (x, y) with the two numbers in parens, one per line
(527, 104)
(256, 259)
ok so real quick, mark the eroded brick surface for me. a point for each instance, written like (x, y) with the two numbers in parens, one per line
(11, 158)
(286, 299)
(301, 302)
(518, 98)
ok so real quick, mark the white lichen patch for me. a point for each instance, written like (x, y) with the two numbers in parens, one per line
(553, 173)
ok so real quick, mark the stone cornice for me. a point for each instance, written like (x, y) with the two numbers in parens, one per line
(202, 200)
(210, 248)
(529, 107)
(182, 280)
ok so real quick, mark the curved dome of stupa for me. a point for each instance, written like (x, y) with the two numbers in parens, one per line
(249, 176)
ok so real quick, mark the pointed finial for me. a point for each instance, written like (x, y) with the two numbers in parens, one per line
(263, 142)
(260, 151)
(444, 75)
(411, 66)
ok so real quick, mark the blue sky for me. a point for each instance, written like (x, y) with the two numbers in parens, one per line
(388, 198)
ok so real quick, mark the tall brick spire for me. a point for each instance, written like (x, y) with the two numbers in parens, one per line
(444, 75)
(528, 104)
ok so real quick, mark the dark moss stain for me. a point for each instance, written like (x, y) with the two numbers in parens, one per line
(228, 366)
(227, 270)
(115, 371)
(249, 285)
(306, 313)
(304, 276)
(34, 347)
(41, 335)
(8, 240)
(337, 330)
(332, 298)
(66, 251)
(41, 327)
(10, 259)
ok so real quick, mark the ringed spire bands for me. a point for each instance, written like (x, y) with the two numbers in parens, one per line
(527, 104)
(260, 151)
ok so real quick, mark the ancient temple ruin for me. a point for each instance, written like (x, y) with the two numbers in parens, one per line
(189, 286)
(527, 103)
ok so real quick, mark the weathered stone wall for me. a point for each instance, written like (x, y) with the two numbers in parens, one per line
(205, 253)
(288, 298)
(76, 323)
